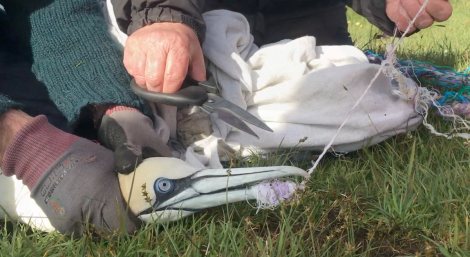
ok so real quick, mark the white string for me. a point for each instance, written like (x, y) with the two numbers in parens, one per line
(388, 62)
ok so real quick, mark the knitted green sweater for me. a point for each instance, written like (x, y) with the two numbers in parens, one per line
(72, 54)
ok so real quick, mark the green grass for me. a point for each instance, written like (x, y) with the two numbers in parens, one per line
(446, 43)
(408, 196)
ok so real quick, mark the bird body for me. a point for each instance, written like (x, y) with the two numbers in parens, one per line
(16, 204)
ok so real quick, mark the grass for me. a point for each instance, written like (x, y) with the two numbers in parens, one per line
(446, 43)
(408, 196)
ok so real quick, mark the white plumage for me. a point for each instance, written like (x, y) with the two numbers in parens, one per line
(16, 201)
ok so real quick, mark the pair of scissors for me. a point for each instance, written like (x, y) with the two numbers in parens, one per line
(205, 95)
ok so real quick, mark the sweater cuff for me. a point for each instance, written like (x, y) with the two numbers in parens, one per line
(380, 18)
(34, 149)
(165, 14)
(374, 12)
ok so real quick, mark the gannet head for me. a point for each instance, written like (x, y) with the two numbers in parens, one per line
(175, 189)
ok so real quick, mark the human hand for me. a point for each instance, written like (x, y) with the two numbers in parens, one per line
(70, 178)
(132, 138)
(402, 12)
(159, 56)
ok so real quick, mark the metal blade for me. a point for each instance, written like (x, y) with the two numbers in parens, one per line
(233, 121)
(217, 103)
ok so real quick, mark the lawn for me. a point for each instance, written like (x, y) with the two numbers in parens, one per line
(408, 196)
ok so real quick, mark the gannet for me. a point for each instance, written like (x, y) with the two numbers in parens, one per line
(161, 189)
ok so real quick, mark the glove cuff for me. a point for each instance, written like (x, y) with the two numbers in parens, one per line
(120, 108)
(34, 149)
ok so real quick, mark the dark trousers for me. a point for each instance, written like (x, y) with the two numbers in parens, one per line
(328, 24)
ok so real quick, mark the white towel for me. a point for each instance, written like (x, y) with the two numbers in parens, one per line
(300, 90)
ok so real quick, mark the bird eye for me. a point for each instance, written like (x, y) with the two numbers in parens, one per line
(164, 185)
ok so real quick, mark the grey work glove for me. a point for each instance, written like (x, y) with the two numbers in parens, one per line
(70, 178)
(131, 136)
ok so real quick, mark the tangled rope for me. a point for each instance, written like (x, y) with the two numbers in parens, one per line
(453, 86)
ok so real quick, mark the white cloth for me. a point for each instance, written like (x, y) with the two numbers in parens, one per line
(299, 89)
